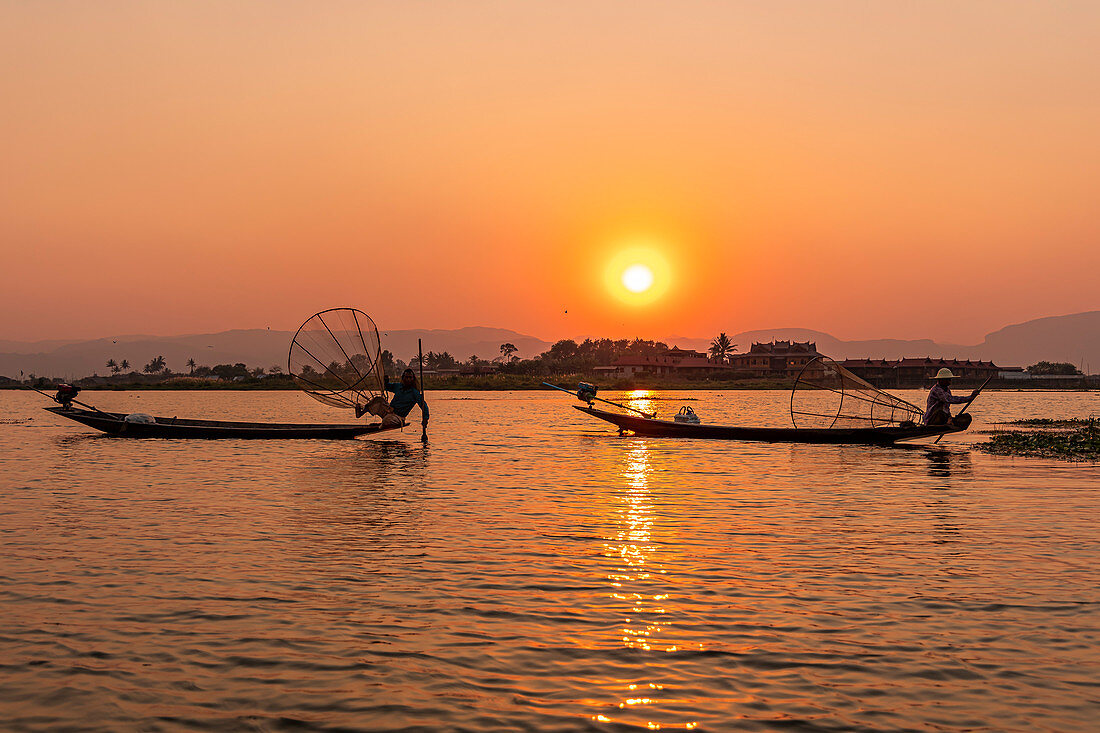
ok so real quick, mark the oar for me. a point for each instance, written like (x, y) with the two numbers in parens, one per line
(420, 353)
(966, 405)
(600, 399)
(93, 408)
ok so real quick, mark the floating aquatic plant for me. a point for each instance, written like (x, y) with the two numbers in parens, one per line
(1080, 443)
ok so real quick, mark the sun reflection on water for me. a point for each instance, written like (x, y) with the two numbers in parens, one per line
(641, 399)
(638, 581)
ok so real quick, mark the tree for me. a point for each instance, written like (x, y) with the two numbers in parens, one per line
(442, 360)
(721, 347)
(124, 365)
(112, 364)
(229, 372)
(506, 351)
(274, 369)
(154, 366)
(388, 364)
(191, 365)
(564, 349)
(1049, 368)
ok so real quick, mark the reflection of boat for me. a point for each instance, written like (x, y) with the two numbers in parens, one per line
(829, 404)
(116, 423)
(884, 435)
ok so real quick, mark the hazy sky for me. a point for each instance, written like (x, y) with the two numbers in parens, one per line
(870, 169)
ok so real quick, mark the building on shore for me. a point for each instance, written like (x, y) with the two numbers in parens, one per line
(913, 372)
(673, 362)
(784, 359)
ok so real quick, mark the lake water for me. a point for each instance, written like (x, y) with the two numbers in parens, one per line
(529, 569)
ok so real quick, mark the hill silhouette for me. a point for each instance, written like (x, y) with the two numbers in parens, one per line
(1073, 338)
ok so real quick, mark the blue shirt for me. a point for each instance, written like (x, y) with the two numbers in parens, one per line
(404, 398)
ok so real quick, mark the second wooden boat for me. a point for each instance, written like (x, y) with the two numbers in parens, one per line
(144, 426)
(885, 435)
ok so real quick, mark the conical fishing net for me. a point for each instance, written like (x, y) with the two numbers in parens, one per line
(336, 358)
(826, 395)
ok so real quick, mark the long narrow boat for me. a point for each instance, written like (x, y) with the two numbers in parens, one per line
(885, 435)
(116, 423)
(829, 404)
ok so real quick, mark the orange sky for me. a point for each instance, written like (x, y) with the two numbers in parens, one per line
(869, 169)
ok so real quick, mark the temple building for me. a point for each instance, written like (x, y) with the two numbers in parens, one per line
(918, 371)
(673, 362)
(775, 359)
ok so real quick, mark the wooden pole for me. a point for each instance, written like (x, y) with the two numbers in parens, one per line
(420, 355)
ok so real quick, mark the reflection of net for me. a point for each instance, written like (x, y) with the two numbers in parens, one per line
(826, 395)
(336, 358)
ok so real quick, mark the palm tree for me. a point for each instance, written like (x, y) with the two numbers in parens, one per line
(124, 365)
(154, 366)
(721, 347)
(191, 365)
(113, 366)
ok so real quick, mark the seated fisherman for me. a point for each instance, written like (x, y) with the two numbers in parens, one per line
(940, 399)
(405, 394)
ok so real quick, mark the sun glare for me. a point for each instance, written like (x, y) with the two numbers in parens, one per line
(637, 278)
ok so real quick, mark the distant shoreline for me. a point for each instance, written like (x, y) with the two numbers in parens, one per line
(525, 386)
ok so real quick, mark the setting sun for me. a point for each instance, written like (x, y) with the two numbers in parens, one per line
(637, 278)
(638, 274)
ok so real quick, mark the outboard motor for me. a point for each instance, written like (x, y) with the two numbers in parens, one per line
(585, 392)
(66, 393)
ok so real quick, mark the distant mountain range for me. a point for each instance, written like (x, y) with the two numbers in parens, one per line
(254, 347)
(1073, 338)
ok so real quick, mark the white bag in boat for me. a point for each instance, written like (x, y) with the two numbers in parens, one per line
(687, 415)
(140, 418)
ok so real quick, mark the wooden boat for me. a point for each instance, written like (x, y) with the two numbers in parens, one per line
(884, 435)
(116, 423)
(829, 404)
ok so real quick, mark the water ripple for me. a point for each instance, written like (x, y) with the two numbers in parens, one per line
(528, 570)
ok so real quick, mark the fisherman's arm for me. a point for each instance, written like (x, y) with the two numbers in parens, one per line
(423, 409)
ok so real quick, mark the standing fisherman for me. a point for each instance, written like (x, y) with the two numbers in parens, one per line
(940, 399)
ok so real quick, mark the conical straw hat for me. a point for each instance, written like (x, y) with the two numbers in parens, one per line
(944, 373)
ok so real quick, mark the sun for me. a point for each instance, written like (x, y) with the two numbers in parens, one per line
(637, 278)
(638, 274)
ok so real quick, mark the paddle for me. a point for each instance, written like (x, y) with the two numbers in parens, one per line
(966, 405)
(420, 353)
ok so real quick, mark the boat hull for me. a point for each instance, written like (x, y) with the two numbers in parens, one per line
(854, 436)
(114, 423)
